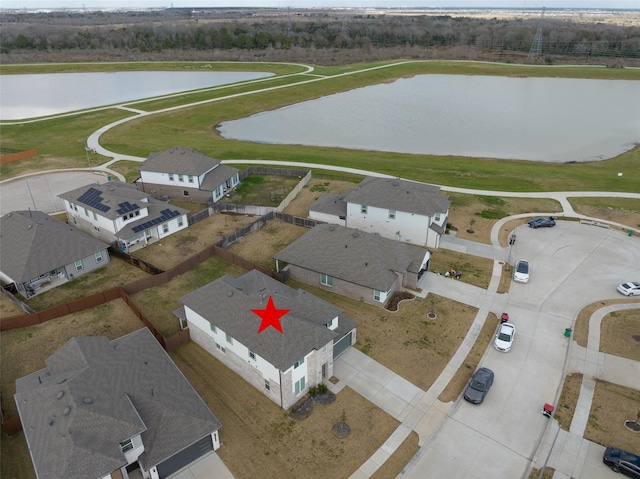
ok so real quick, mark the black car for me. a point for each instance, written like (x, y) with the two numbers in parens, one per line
(479, 386)
(543, 222)
(622, 461)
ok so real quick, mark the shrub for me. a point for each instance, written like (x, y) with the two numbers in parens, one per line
(313, 391)
(323, 388)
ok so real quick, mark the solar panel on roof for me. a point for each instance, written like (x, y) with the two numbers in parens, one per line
(93, 198)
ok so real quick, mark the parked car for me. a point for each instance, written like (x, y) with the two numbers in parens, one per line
(479, 386)
(521, 272)
(629, 289)
(504, 338)
(622, 461)
(543, 222)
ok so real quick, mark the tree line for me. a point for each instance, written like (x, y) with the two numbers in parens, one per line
(181, 30)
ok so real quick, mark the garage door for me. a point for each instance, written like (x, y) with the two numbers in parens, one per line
(185, 457)
(341, 345)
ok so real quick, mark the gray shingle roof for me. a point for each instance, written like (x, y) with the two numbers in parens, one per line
(227, 303)
(353, 255)
(400, 195)
(179, 160)
(331, 204)
(33, 243)
(134, 388)
(215, 178)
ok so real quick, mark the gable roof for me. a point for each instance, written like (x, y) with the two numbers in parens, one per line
(215, 178)
(33, 243)
(179, 160)
(400, 195)
(227, 303)
(331, 204)
(95, 394)
(352, 255)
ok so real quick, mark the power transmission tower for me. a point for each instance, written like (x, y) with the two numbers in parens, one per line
(536, 46)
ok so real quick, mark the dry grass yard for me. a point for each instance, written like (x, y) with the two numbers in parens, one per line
(581, 326)
(399, 458)
(613, 405)
(476, 270)
(625, 211)
(23, 351)
(260, 246)
(176, 248)
(620, 334)
(313, 190)
(8, 308)
(261, 440)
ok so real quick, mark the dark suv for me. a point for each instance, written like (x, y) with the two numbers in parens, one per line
(622, 461)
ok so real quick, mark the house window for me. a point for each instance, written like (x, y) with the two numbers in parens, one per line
(437, 217)
(299, 385)
(392, 214)
(213, 328)
(78, 265)
(190, 179)
(165, 228)
(180, 222)
(326, 279)
(377, 295)
(363, 209)
(170, 176)
(221, 348)
(324, 348)
(185, 193)
(229, 338)
(95, 217)
(126, 445)
(137, 213)
(181, 178)
(95, 227)
(298, 363)
(267, 385)
(252, 355)
(98, 256)
(86, 212)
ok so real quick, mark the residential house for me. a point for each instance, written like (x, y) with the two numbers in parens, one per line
(38, 252)
(117, 211)
(354, 263)
(101, 409)
(181, 173)
(397, 209)
(281, 365)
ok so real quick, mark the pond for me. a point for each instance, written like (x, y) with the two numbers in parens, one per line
(537, 119)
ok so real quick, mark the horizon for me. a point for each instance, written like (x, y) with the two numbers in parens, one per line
(30, 5)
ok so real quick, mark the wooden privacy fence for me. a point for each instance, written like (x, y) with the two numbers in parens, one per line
(17, 155)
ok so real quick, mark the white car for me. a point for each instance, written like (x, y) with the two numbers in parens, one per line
(504, 338)
(629, 289)
(521, 272)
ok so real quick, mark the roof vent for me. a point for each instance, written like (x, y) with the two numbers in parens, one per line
(60, 394)
(332, 228)
(66, 410)
(355, 234)
(87, 400)
(51, 423)
(229, 293)
(395, 183)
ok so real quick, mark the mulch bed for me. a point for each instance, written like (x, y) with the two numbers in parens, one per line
(303, 408)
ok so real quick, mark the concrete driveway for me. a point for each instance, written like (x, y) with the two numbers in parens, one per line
(571, 265)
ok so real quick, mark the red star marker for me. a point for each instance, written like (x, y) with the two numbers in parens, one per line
(270, 316)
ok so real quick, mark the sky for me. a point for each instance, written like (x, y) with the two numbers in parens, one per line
(96, 4)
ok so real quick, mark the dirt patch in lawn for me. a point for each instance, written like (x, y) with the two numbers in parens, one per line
(613, 405)
(174, 249)
(581, 326)
(475, 269)
(479, 213)
(313, 190)
(261, 440)
(547, 474)
(568, 399)
(470, 364)
(260, 246)
(8, 308)
(24, 350)
(620, 334)
(116, 273)
(427, 345)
